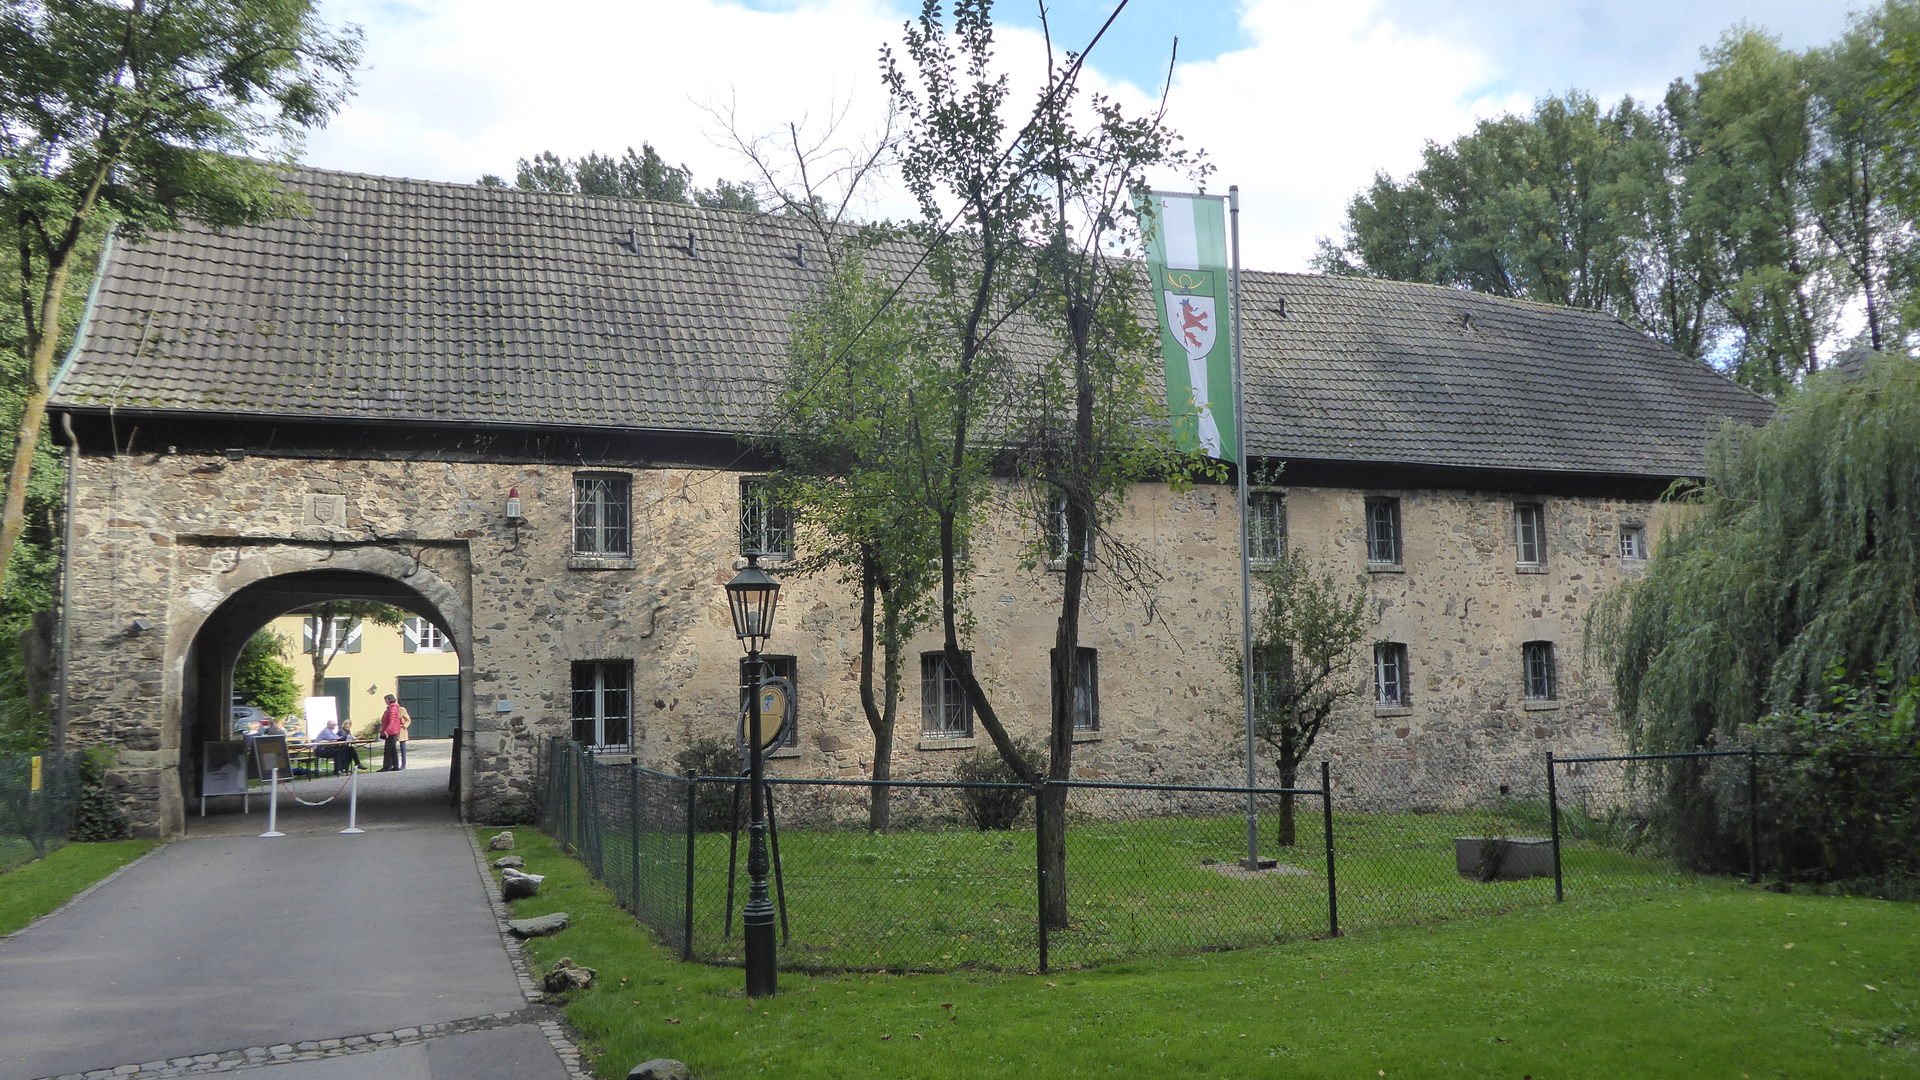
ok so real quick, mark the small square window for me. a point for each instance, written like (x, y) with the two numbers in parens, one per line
(1633, 541)
(1266, 524)
(600, 514)
(1390, 674)
(1086, 696)
(766, 527)
(1538, 659)
(944, 710)
(602, 703)
(340, 635)
(1529, 534)
(1383, 532)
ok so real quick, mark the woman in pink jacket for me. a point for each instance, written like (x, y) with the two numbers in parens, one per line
(392, 723)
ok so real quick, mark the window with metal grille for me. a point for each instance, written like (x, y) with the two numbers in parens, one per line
(1529, 534)
(1633, 541)
(1266, 524)
(1383, 532)
(1538, 659)
(1272, 675)
(1057, 538)
(601, 504)
(1086, 691)
(1390, 674)
(944, 710)
(603, 703)
(766, 527)
(788, 668)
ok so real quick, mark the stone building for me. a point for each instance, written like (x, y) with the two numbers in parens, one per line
(341, 405)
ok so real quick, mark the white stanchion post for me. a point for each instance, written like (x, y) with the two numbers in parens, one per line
(273, 806)
(353, 802)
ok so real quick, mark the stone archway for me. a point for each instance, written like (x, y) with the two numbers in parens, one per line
(240, 584)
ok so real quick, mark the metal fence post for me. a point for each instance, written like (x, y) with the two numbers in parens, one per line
(693, 794)
(1553, 818)
(1326, 813)
(1040, 864)
(633, 834)
(1753, 815)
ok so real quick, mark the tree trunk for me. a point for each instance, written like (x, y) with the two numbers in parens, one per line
(13, 513)
(1290, 754)
(879, 722)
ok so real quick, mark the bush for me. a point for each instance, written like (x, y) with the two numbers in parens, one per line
(262, 680)
(714, 808)
(1843, 803)
(98, 816)
(994, 808)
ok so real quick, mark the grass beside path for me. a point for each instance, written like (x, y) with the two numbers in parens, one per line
(1712, 980)
(30, 891)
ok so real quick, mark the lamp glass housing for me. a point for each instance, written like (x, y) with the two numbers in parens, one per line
(752, 596)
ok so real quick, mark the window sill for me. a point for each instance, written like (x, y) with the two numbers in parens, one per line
(1086, 736)
(1529, 568)
(939, 743)
(1540, 706)
(781, 752)
(1393, 710)
(1386, 568)
(600, 562)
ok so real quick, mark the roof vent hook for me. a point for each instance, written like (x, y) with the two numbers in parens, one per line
(632, 242)
(1466, 322)
(693, 246)
(800, 254)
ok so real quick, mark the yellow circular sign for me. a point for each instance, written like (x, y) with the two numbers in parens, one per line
(775, 702)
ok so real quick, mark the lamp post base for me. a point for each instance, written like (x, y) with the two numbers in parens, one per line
(763, 977)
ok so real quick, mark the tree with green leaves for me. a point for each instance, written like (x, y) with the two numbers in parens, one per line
(1307, 631)
(328, 643)
(259, 676)
(142, 112)
(1799, 552)
(643, 175)
(842, 427)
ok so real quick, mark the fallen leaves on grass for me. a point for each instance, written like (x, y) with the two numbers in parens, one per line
(884, 1038)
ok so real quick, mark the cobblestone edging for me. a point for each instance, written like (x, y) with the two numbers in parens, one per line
(555, 1031)
(312, 1050)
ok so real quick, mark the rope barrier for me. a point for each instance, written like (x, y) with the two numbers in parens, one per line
(328, 799)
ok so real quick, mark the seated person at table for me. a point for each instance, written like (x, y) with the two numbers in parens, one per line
(334, 742)
(269, 726)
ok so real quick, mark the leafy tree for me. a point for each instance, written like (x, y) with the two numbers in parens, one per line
(326, 646)
(1800, 551)
(844, 421)
(261, 678)
(1307, 632)
(644, 175)
(133, 110)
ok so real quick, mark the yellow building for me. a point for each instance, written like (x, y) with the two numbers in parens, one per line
(365, 662)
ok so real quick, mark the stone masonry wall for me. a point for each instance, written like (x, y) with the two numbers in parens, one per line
(166, 539)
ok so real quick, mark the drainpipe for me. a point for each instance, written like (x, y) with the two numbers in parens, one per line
(66, 589)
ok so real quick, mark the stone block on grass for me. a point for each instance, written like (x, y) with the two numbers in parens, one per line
(540, 925)
(1503, 858)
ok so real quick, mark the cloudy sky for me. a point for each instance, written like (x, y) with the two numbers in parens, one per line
(1298, 103)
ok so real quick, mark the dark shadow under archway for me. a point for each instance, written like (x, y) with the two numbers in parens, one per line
(207, 690)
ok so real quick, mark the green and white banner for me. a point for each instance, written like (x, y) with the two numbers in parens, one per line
(1187, 262)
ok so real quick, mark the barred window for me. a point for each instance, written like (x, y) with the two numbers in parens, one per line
(1057, 538)
(1266, 524)
(1086, 692)
(1390, 674)
(1538, 659)
(602, 703)
(944, 710)
(766, 527)
(600, 514)
(1383, 532)
(1633, 541)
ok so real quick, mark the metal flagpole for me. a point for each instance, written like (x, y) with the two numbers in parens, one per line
(1246, 574)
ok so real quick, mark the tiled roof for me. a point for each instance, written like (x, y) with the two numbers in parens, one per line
(409, 300)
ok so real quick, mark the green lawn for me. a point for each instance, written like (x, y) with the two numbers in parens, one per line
(30, 891)
(1694, 979)
(959, 899)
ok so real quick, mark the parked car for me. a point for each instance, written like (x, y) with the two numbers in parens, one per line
(247, 714)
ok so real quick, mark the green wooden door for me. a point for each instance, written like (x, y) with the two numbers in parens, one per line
(434, 703)
(341, 691)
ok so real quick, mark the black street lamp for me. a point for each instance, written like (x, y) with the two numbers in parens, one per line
(752, 595)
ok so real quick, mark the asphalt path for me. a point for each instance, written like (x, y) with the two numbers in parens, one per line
(225, 941)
